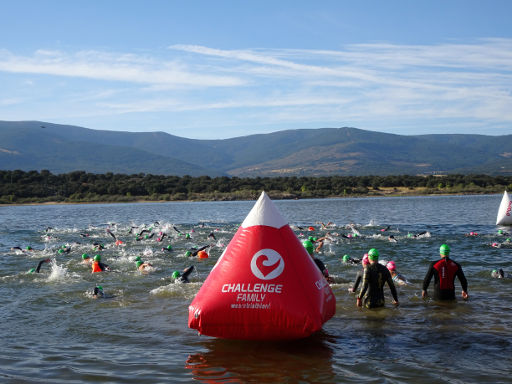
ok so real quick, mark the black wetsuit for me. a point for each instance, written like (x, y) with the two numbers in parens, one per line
(444, 272)
(321, 267)
(186, 272)
(359, 277)
(40, 264)
(372, 291)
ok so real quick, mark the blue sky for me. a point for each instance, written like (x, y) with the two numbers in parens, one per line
(221, 69)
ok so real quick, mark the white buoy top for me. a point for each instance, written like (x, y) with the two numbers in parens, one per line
(264, 212)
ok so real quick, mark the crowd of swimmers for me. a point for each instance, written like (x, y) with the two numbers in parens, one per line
(370, 279)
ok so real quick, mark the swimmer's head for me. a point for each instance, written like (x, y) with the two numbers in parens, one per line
(29, 248)
(391, 265)
(97, 257)
(500, 231)
(188, 253)
(85, 256)
(138, 258)
(187, 236)
(364, 260)
(31, 270)
(346, 258)
(169, 247)
(309, 246)
(444, 250)
(60, 251)
(175, 274)
(139, 263)
(373, 254)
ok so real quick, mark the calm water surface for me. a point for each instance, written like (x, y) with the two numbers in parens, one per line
(53, 331)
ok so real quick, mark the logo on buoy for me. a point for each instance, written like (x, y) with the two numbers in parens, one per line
(267, 264)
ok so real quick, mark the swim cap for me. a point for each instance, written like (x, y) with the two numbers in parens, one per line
(309, 246)
(29, 248)
(175, 274)
(97, 258)
(138, 258)
(500, 231)
(365, 260)
(391, 265)
(444, 250)
(202, 255)
(169, 247)
(31, 270)
(373, 254)
(85, 256)
(139, 263)
(99, 287)
(187, 236)
(60, 251)
(409, 235)
(346, 258)
(188, 253)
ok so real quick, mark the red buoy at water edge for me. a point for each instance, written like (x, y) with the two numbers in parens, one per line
(265, 286)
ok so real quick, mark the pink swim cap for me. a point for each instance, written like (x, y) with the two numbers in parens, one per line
(391, 265)
(365, 260)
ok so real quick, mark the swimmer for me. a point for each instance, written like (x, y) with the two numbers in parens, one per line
(64, 249)
(501, 232)
(168, 248)
(84, 235)
(177, 230)
(471, 234)
(195, 251)
(86, 259)
(97, 292)
(308, 245)
(98, 266)
(349, 260)
(392, 239)
(142, 266)
(397, 277)
(111, 234)
(38, 268)
(499, 274)
(211, 236)
(385, 229)
(161, 236)
(97, 246)
(359, 276)
(183, 276)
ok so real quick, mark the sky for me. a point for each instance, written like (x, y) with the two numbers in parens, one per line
(222, 69)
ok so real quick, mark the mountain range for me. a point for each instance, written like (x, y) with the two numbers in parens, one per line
(36, 145)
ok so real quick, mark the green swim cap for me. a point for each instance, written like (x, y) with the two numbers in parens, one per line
(187, 236)
(99, 287)
(146, 237)
(309, 246)
(31, 270)
(409, 235)
(97, 258)
(175, 274)
(169, 247)
(444, 250)
(346, 258)
(500, 231)
(85, 256)
(139, 263)
(188, 253)
(63, 246)
(60, 251)
(29, 248)
(373, 254)
(508, 240)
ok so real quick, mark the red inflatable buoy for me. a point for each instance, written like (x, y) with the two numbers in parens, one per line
(265, 286)
(202, 255)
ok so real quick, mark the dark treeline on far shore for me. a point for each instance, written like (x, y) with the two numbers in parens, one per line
(18, 187)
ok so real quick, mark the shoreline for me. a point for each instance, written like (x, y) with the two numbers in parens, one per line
(274, 197)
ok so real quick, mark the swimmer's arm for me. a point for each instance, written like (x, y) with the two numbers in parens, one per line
(393, 290)
(426, 280)
(364, 287)
(463, 283)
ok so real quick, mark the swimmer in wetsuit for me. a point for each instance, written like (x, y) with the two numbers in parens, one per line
(39, 265)
(308, 245)
(349, 260)
(397, 277)
(444, 272)
(374, 277)
(182, 277)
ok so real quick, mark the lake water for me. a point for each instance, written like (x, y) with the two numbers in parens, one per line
(53, 331)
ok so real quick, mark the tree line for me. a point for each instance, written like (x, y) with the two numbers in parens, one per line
(79, 186)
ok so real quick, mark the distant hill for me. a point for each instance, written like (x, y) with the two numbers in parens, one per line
(34, 145)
